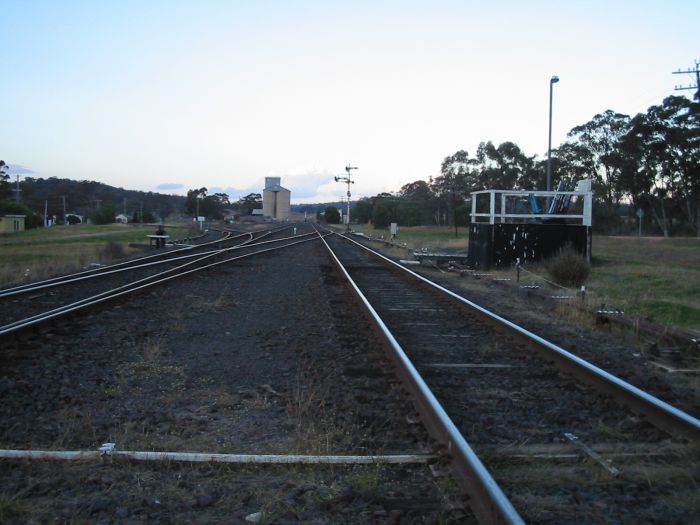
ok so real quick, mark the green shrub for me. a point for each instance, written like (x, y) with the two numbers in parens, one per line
(568, 267)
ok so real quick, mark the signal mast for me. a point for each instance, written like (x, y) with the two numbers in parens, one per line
(349, 181)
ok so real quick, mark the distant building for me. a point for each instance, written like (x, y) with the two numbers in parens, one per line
(276, 199)
(11, 223)
(73, 218)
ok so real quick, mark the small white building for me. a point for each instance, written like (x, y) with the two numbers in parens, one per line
(276, 199)
(12, 223)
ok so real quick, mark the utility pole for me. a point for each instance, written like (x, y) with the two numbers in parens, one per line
(552, 81)
(697, 79)
(17, 190)
(347, 180)
(64, 209)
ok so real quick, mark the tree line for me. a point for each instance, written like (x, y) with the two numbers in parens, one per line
(217, 206)
(650, 162)
(64, 200)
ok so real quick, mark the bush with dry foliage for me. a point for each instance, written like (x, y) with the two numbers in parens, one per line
(112, 250)
(568, 267)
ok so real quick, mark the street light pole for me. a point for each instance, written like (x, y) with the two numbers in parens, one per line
(552, 81)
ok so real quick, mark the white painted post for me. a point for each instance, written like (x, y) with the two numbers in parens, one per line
(588, 209)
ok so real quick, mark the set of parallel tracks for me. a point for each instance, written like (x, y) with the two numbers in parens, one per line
(27, 306)
(513, 415)
(530, 410)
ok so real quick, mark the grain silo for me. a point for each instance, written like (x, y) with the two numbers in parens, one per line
(276, 199)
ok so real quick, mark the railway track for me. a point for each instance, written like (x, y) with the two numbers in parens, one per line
(28, 305)
(565, 441)
(257, 360)
(526, 441)
(177, 253)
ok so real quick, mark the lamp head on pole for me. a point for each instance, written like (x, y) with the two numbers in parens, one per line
(554, 79)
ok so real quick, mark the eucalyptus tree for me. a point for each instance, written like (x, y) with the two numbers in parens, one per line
(660, 155)
(211, 206)
(456, 180)
(503, 167)
(419, 201)
(362, 210)
(599, 141)
(678, 120)
(4, 178)
(574, 161)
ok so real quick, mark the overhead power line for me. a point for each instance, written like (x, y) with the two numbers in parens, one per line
(689, 71)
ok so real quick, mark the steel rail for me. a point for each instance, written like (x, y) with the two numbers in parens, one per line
(486, 498)
(127, 289)
(70, 279)
(103, 269)
(662, 414)
(129, 266)
(23, 322)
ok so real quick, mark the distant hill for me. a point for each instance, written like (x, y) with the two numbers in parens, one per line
(85, 197)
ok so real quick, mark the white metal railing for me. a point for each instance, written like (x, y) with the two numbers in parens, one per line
(556, 205)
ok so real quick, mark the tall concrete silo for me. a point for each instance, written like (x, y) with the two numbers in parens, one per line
(276, 199)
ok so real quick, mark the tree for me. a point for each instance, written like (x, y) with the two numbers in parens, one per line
(4, 178)
(104, 215)
(210, 206)
(678, 121)
(31, 219)
(191, 204)
(332, 215)
(420, 201)
(599, 139)
(504, 167)
(216, 204)
(457, 177)
(362, 211)
(659, 159)
(246, 205)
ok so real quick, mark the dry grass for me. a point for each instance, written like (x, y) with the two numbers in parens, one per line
(32, 266)
(38, 254)
(151, 368)
(212, 304)
(423, 237)
(315, 428)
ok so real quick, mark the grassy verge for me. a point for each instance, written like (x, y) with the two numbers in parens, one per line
(42, 252)
(650, 277)
(419, 237)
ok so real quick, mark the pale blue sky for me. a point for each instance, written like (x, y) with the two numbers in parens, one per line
(140, 94)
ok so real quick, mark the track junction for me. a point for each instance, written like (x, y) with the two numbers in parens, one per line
(530, 431)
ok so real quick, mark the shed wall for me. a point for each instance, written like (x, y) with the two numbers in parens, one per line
(501, 245)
